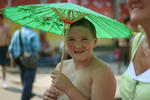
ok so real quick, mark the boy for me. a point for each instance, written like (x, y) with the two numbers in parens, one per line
(84, 77)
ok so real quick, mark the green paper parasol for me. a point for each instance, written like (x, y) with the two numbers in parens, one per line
(51, 18)
(57, 17)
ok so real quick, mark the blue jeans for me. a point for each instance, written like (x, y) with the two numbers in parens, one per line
(27, 79)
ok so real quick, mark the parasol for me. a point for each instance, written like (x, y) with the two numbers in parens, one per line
(57, 17)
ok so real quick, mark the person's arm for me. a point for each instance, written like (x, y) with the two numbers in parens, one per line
(50, 94)
(62, 83)
(103, 85)
(8, 38)
(68, 88)
(10, 50)
(8, 30)
(35, 43)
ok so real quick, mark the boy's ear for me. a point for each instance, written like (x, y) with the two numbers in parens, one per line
(95, 42)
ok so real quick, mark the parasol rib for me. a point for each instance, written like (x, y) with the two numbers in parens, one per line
(99, 25)
(26, 11)
(102, 26)
(31, 15)
(53, 25)
(37, 18)
(42, 23)
(112, 26)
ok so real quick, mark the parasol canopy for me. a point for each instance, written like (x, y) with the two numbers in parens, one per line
(51, 18)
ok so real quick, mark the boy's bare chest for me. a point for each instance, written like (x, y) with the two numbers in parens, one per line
(82, 80)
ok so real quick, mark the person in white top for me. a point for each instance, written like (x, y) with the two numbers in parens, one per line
(135, 83)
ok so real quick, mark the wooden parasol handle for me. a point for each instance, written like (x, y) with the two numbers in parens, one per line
(67, 27)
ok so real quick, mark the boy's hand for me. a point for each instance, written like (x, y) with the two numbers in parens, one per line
(13, 64)
(50, 94)
(61, 82)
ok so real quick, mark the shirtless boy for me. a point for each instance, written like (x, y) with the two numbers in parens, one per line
(84, 77)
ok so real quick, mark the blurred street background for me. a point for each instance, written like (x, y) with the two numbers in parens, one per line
(43, 81)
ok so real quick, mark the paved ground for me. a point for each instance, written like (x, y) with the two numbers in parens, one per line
(41, 83)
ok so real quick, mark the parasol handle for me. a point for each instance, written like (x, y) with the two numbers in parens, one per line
(67, 27)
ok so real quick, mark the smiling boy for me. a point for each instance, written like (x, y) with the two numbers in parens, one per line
(84, 77)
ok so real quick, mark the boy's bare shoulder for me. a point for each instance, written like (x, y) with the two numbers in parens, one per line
(101, 68)
(99, 64)
(103, 81)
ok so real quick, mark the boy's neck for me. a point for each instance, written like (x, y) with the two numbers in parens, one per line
(82, 64)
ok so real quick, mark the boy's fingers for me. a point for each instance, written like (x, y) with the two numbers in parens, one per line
(45, 97)
(53, 76)
(53, 96)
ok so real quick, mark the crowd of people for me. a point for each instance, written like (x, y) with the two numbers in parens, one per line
(84, 76)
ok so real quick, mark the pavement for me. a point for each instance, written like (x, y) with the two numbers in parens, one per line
(42, 82)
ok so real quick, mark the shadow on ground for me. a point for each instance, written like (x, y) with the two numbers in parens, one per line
(17, 90)
(13, 89)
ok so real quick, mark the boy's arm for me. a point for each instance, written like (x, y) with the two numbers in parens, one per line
(103, 85)
(50, 94)
(73, 93)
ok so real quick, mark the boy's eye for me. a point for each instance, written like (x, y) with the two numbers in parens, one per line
(84, 39)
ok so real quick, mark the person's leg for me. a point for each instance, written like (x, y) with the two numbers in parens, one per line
(120, 60)
(122, 55)
(4, 77)
(3, 58)
(4, 73)
(127, 57)
(22, 72)
(29, 76)
(119, 66)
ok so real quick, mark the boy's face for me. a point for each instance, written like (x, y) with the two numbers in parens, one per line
(80, 43)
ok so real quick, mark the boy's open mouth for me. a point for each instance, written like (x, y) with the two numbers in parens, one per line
(78, 52)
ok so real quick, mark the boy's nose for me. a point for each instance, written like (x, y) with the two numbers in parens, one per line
(78, 44)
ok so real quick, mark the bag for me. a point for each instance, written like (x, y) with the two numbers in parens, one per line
(29, 62)
(26, 60)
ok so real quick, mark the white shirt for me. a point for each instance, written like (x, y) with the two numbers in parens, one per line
(144, 77)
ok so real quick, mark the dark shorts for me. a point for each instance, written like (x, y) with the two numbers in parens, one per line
(3, 53)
